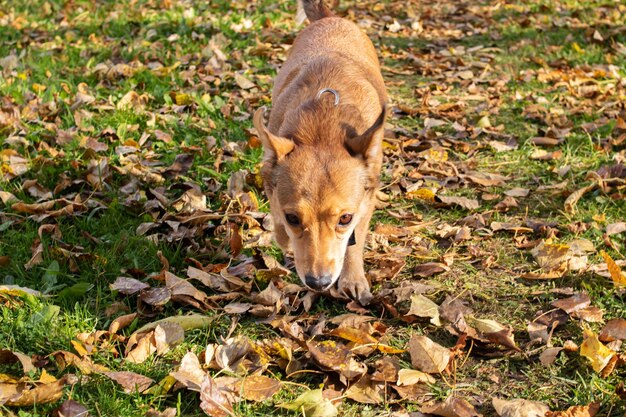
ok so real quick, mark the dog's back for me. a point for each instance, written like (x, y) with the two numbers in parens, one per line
(330, 53)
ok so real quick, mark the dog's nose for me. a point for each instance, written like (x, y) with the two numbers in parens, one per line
(317, 282)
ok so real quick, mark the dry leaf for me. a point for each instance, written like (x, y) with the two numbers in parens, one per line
(213, 401)
(519, 408)
(130, 381)
(312, 404)
(427, 355)
(577, 411)
(424, 307)
(412, 376)
(190, 372)
(595, 351)
(452, 407)
(618, 277)
(71, 408)
(613, 330)
(259, 387)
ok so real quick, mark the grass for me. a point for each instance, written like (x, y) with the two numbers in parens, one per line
(60, 49)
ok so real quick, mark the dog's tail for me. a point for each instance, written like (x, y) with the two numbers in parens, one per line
(313, 9)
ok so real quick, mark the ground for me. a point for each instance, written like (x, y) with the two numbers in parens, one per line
(129, 164)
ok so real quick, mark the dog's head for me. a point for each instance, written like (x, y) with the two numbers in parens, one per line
(319, 177)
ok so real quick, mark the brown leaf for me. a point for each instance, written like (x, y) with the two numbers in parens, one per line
(128, 286)
(519, 408)
(337, 357)
(494, 332)
(231, 354)
(573, 303)
(167, 336)
(39, 394)
(549, 355)
(613, 330)
(130, 381)
(591, 314)
(572, 199)
(424, 307)
(8, 357)
(412, 376)
(615, 228)
(427, 355)
(365, 391)
(71, 408)
(157, 296)
(259, 387)
(213, 401)
(169, 412)
(430, 268)
(122, 322)
(463, 202)
(576, 411)
(452, 407)
(190, 374)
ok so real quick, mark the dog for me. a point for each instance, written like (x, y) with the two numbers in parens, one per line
(323, 151)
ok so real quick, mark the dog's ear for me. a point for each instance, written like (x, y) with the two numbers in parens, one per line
(275, 147)
(364, 145)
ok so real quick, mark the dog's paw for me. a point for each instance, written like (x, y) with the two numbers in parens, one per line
(355, 287)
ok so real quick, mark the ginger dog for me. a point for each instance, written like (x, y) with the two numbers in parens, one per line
(323, 151)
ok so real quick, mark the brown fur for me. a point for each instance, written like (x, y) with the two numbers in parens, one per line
(323, 161)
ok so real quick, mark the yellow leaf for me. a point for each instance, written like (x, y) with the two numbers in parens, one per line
(595, 351)
(39, 88)
(78, 346)
(577, 48)
(617, 275)
(46, 378)
(422, 194)
(183, 99)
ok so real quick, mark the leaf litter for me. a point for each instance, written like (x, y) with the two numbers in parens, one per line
(453, 204)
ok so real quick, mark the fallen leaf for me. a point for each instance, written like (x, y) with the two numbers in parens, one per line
(430, 268)
(38, 394)
(71, 408)
(519, 408)
(595, 351)
(613, 330)
(365, 391)
(190, 373)
(130, 381)
(259, 387)
(452, 407)
(424, 307)
(549, 355)
(128, 286)
(576, 411)
(463, 202)
(573, 303)
(618, 277)
(312, 404)
(337, 357)
(412, 376)
(213, 401)
(428, 356)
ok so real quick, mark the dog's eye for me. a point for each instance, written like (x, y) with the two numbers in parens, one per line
(292, 219)
(345, 219)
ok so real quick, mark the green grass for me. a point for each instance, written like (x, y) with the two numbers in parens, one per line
(61, 48)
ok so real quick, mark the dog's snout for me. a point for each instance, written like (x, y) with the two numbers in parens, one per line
(318, 283)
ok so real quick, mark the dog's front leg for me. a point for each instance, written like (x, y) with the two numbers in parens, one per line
(352, 281)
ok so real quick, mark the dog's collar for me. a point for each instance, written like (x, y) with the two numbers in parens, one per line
(352, 240)
(328, 90)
